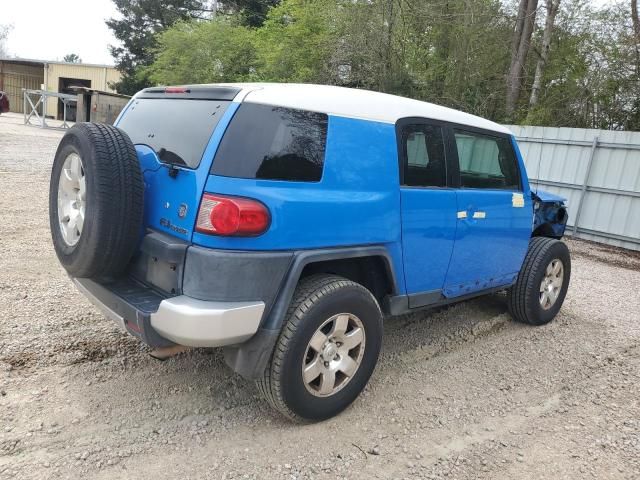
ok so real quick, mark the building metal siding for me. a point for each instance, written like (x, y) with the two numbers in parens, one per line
(102, 108)
(598, 171)
(100, 76)
(15, 77)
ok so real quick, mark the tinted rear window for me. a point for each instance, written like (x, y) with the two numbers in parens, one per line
(178, 130)
(273, 143)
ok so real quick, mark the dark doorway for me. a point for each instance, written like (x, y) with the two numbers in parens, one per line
(65, 86)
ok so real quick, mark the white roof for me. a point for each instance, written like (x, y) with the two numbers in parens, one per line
(354, 103)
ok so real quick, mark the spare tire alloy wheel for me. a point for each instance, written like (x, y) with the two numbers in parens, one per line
(72, 191)
(95, 201)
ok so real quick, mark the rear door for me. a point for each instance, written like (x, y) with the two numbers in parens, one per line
(175, 132)
(428, 209)
(494, 215)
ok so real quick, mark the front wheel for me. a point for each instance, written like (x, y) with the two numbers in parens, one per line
(327, 350)
(542, 282)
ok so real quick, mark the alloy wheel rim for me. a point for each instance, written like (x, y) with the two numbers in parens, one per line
(551, 284)
(333, 355)
(72, 193)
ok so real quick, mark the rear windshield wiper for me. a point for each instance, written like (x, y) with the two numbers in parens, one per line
(167, 156)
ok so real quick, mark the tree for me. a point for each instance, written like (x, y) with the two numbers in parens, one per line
(203, 52)
(579, 68)
(72, 58)
(296, 41)
(636, 31)
(590, 79)
(252, 13)
(141, 21)
(451, 53)
(4, 34)
(525, 23)
(552, 11)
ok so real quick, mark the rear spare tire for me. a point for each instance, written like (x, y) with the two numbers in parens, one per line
(95, 201)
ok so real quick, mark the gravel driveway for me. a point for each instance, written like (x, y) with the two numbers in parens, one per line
(463, 392)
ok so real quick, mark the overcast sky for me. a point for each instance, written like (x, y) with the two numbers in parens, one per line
(50, 29)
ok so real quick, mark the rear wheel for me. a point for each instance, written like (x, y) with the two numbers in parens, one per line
(542, 283)
(327, 350)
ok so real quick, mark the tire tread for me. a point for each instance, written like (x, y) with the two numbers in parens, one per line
(310, 290)
(524, 288)
(118, 201)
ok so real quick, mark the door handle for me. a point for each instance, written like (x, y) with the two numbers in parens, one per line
(476, 215)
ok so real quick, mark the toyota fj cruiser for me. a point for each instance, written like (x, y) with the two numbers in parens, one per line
(284, 222)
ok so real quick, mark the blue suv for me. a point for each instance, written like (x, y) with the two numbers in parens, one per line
(283, 222)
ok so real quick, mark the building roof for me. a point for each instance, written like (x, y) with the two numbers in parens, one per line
(354, 103)
(78, 88)
(31, 61)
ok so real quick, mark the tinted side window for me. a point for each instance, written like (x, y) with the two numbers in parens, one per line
(486, 161)
(273, 143)
(424, 156)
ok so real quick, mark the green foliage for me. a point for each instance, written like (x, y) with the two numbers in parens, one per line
(203, 52)
(72, 58)
(592, 78)
(140, 22)
(252, 13)
(296, 41)
(451, 53)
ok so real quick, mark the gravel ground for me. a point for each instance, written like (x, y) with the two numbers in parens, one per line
(463, 392)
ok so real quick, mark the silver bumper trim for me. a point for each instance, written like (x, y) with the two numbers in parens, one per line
(197, 323)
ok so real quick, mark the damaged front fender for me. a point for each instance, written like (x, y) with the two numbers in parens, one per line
(550, 215)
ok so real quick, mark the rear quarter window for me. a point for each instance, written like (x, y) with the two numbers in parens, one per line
(273, 143)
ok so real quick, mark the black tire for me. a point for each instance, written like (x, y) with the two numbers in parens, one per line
(524, 298)
(316, 299)
(113, 201)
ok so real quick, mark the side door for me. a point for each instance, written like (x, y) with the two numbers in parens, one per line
(428, 208)
(494, 212)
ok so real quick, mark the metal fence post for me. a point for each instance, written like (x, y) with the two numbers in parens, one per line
(585, 184)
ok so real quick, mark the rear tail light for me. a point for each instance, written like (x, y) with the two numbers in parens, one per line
(232, 216)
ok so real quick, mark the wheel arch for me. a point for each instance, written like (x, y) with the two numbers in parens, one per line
(249, 359)
(371, 266)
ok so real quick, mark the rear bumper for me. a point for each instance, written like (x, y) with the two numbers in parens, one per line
(160, 321)
(198, 323)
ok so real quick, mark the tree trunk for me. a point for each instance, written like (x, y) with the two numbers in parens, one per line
(517, 33)
(525, 24)
(552, 11)
(636, 31)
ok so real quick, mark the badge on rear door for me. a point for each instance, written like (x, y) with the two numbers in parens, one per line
(182, 210)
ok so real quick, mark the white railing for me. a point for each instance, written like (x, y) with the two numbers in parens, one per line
(34, 99)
